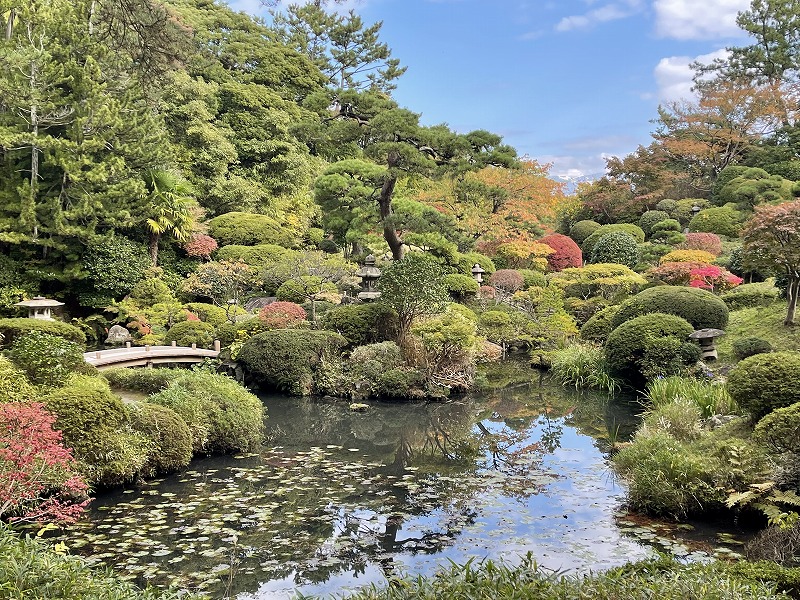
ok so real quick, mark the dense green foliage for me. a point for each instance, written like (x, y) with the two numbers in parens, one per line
(750, 294)
(764, 382)
(223, 417)
(361, 324)
(597, 328)
(46, 359)
(148, 381)
(14, 384)
(13, 328)
(95, 424)
(582, 230)
(616, 247)
(780, 429)
(590, 242)
(750, 346)
(187, 333)
(650, 345)
(170, 447)
(287, 359)
(700, 307)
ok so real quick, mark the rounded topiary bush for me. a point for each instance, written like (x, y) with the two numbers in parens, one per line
(722, 220)
(750, 346)
(187, 333)
(708, 242)
(287, 359)
(650, 218)
(507, 280)
(630, 347)
(46, 359)
(95, 424)
(248, 229)
(780, 429)
(11, 329)
(222, 415)
(597, 328)
(14, 385)
(765, 382)
(699, 307)
(170, 439)
(582, 230)
(616, 247)
(362, 324)
(459, 285)
(567, 253)
(750, 295)
(208, 313)
(590, 242)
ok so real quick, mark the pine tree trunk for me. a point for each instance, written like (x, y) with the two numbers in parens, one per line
(385, 205)
(12, 14)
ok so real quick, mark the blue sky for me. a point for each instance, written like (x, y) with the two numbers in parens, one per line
(566, 82)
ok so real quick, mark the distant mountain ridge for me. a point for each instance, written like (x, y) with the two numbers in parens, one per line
(573, 181)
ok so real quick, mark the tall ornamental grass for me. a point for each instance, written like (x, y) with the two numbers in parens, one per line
(582, 366)
(711, 398)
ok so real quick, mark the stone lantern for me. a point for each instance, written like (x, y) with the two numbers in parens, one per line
(477, 273)
(369, 275)
(39, 307)
(705, 337)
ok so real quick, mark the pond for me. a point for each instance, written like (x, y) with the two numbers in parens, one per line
(340, 499)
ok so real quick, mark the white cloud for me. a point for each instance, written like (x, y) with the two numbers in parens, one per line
(603, 14)
(698, 19)
(674, 75)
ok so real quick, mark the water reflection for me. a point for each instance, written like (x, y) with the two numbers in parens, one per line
(343, 498)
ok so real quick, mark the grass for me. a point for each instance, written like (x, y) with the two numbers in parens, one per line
(712, 398)
(765, 322)
(582, 366)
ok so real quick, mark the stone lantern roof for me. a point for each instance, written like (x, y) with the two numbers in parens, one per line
(39, 307)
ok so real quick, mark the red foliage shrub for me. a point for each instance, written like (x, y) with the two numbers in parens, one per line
(506, 280)
(674, 273)
(200, 246)
(39, 481)
(708, 242)
(713, 278)
(190, 316)
(282, 315)
(487, 292)
(567, 252)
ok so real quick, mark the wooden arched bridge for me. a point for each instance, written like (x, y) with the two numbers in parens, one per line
(147, 356)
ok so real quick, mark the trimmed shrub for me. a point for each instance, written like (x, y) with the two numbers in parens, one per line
(147, 381)
(531, 278)
(780, 429)
(582, 310)
(249, 229)
(282, 315)
(459, 285)
(634, 348)
(567, 252)
(616, 247)
(650, 218)
(696, 256)
(11, 329)
(590, 242)
(765, 382)
(360, 376)
(722, 220)
(597, 328)
(467, 260)
(208, 313)
(46, 359)
(94, 423)
(200, 246)
(361, 324)
(751, 295)
(303, 288)
(170, 439)
(187, 333)
(287, 359)
(750, 346)
(699, 307)
(582, 230)
(608, 280)
(667, 205)
(257, 256)
(507, 280)
(222, 416)
(707, 242)
(14, 385)
(650, 253)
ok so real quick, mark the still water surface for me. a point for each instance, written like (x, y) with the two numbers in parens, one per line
(340, 499)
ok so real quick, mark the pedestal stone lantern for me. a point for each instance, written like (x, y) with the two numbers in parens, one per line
(477, 273)
(705, 337)
(39, 307)
(369, 275)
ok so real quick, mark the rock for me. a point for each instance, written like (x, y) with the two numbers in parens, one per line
(118, 335)
(359, 407)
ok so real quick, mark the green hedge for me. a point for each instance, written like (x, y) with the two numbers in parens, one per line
(287, 359)
(362, 324)
(171, 440)
(765, 382)
(148, 381)
(630, 348)
(750, 295)
(11, 329)
(223, 416)
(95, 424)
(750, 346)
(700, 307)
(187, 333)
(257, 256)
